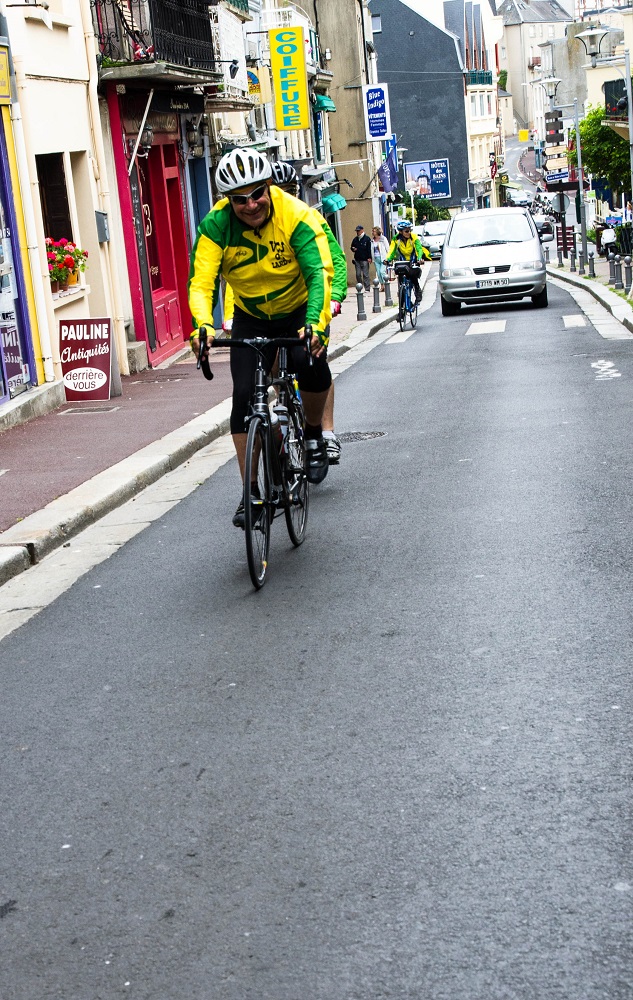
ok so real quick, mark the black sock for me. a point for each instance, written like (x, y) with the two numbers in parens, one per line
(314, 431)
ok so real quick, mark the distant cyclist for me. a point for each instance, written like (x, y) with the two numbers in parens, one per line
(272, 251)
(406, 246)
(286, 177)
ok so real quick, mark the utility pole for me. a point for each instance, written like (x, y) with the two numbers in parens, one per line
(583, 214)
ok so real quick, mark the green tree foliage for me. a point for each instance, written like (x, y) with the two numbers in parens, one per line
(502, 81)
(604, 153)
(422, 206)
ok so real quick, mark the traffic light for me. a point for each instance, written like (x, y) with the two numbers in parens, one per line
(554, 134)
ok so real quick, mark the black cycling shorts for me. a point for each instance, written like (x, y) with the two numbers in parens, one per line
(311, 378)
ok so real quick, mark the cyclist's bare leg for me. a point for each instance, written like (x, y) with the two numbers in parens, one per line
(239, 440)
(314, 406)
(328, 413)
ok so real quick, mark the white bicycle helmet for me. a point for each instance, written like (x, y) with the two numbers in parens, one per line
(403, 224)
(239, 168)
(284, 173)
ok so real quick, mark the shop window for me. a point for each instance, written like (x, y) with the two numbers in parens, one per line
(54, 196)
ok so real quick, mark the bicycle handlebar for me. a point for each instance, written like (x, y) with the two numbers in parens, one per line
(254, 343)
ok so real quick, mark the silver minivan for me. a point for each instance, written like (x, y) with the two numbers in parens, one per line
(492, 255)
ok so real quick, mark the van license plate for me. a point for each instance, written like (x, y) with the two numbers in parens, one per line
(493, 282)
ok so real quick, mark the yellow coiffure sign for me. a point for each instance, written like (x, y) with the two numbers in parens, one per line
(290, 80)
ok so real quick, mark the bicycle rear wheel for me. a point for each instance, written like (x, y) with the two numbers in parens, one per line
(294, 469)
(402, 306)
(257, 502)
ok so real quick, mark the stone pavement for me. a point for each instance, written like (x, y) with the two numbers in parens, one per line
(615, 301)
(64, 470)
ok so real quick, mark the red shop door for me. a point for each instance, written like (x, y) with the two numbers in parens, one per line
(167, 255)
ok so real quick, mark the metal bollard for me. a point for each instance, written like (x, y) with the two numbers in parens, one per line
(572, 259)
(627, 275)
(388, 299)
(619, 284)
(560, 257)
(547, 255)
(360, 306)
(592, 264)
(611, 258)
(581, 262)
(376, 308)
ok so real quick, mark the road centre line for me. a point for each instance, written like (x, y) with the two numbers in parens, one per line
(491, 326)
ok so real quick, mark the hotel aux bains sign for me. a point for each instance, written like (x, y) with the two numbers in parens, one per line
(290, 79)
(85, 346)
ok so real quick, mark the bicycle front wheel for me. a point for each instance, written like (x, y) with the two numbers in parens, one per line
(296, 479)
(413, 315)
(257, 501)
(402, 306)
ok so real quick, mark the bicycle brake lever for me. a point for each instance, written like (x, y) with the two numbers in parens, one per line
(203, 354)
(308, 339)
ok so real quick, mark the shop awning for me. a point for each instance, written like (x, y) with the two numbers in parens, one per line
(333, 203)
(324, 103)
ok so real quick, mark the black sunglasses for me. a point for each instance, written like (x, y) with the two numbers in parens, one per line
(242, 199)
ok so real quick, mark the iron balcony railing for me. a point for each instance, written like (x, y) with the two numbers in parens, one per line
(479, 78)
(141, 31)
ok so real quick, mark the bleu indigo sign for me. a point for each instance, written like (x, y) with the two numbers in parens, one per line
(428, 178)
(377, 115)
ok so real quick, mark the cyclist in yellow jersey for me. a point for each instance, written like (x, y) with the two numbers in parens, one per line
(286, 177)
(407, 246)
(272, 251)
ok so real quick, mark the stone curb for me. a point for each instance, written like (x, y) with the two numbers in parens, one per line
(619, 309)
(25, 543)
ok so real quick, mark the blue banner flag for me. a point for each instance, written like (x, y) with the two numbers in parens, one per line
(388, 173)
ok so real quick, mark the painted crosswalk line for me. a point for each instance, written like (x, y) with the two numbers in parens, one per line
(574, 321)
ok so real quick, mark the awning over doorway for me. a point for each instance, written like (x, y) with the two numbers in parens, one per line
(324, 103)
(333, 203)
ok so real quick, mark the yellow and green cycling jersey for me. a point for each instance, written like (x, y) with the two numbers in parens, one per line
(339, 281)
(407, 247)
(272, 271)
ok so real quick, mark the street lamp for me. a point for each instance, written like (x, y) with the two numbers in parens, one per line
(592, 38)
(550, 86)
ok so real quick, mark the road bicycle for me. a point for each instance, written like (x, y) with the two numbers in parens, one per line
(407, 306)
(275, 480)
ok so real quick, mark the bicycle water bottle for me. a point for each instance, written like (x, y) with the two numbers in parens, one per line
(281, 413)
(275, 423)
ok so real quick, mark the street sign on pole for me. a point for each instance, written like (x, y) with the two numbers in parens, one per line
(560, 203)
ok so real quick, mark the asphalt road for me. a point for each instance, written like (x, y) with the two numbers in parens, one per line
(402, 769)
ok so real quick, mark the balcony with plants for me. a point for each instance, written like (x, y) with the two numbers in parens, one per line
(155, 41)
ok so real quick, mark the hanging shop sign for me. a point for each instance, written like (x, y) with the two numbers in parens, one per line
(377, 113)
(85, 348)
(290, 80)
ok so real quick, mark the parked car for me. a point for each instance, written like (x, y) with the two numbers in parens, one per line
(518, 197)
(492, 255)
(432, 236)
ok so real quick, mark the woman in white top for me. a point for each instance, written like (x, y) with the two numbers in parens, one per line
(379, 250)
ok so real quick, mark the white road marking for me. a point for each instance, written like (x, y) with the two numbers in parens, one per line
(573, 321)
(2, 471)
(605, 370)
(493, 326)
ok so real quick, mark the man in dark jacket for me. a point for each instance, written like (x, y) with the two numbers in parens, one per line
(361, 245)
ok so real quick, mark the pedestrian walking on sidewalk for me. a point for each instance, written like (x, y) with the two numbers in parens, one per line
(379, 249)
(361, 245)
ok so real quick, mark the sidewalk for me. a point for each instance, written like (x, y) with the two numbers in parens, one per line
(63, 471)
(616, 302)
